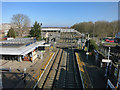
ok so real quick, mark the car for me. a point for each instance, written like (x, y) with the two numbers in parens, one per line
(107, 40)
(4, 38)
(110, 40)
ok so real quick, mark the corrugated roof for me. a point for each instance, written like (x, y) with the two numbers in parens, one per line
(21, 50)
(18, 41)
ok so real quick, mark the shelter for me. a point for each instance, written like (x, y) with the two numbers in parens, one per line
(20, 49)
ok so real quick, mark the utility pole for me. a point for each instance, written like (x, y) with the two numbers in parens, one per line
(107, 62)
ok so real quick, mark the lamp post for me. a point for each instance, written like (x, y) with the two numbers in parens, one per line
(107, 62)
(24, 73)
(87, 45)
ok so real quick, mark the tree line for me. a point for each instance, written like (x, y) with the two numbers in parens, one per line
(98, 29)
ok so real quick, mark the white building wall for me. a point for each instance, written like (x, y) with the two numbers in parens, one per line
(34, 55)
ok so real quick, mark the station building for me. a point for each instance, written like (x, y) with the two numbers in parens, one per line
(55, 33)
(21, 49)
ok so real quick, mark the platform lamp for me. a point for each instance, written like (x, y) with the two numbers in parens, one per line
(87, 53)
(108, 62)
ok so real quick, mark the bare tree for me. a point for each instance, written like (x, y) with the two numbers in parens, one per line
(101, 29)
(21, 21)
(114, 28)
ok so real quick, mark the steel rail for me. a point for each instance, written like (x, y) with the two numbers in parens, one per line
(50, 69)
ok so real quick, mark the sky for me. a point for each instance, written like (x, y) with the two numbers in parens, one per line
(61, 14)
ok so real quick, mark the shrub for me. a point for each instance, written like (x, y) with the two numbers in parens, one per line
(93, 45)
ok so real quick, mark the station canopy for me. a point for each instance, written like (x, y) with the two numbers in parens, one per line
(19, 46)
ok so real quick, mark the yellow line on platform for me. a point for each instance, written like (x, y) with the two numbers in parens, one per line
(80, 62)
(85, 76)
(42, 68)
(41, 71)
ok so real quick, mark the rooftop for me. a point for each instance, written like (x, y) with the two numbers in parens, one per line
(17, 42)
(19, 46)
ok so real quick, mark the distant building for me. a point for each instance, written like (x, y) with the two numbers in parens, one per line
(6, 26)
(55, 33)
(2, 34)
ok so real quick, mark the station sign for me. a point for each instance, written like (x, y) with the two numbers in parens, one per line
(106, 60)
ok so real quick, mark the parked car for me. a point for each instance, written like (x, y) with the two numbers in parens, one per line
(4, 38)
(110, 40)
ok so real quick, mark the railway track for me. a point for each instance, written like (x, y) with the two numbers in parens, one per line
(72, 75)
(63, 72)
(48, 83)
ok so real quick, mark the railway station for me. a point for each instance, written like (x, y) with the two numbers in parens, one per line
(54, 46)
(21, 49)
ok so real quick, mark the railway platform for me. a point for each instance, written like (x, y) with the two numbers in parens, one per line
(95, 74)
(16, 79)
